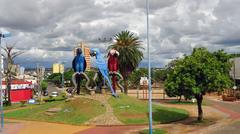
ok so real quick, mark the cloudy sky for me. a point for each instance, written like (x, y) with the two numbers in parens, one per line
(47, 30)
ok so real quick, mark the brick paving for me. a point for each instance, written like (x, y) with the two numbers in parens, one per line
(108, 118)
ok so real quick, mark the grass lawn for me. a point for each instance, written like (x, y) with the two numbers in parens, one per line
(132, 111)
(74, 112)
(13, 106)
(183, 102)
(155, 131)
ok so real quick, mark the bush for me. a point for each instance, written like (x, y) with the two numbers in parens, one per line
(51, 99)
(238, 95)
(63, 95)
(44, 85)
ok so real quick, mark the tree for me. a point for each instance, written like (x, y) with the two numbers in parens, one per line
(160, 75)
(136, 75)
(199, 73)
(44, 85)
(9, 54)
(129, 47)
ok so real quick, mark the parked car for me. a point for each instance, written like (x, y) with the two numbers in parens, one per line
(54, 94)
(45, 93)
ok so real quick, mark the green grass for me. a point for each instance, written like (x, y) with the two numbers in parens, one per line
(74, 112)
(181, 102)
(155, 131)
(13, 106)
(132, 111)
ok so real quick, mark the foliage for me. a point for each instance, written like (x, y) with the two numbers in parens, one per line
(44, 85)
(129, 47)
(68, 74)
(58, 98)
(55, 78)
(155, 131)
(135, 76)
(237, 95)
(72, 112)
(130, 110)
(199, 73)
(160, 75)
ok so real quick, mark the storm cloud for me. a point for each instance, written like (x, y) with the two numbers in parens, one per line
(47, 30)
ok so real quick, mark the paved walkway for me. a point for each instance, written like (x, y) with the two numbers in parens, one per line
(108, 118)
(231, 108)
(230, 125)
(34, 127)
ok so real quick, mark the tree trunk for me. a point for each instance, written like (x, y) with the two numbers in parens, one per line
(9, 90)
(125, 86)
(199, 98)
(180, 97)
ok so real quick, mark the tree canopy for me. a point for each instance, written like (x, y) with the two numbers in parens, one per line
(199, 73)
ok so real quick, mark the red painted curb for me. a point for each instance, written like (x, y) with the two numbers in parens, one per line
(232, 114)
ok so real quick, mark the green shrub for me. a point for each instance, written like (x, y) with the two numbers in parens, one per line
(58, 98)
(44, 85)
(64, 95)
(238, 95)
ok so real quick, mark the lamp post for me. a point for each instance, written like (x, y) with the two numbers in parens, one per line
(63, 74)
(149, 73)
(105, 41)
(2, 35)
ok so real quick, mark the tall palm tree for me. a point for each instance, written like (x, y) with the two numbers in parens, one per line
(129, 47)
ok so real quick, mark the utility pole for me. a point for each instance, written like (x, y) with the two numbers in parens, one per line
(149, 72)
(2, 35)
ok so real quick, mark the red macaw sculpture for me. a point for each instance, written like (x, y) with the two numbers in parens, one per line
(113, 67)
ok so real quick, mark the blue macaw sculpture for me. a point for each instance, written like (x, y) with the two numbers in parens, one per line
(79, 66)
(102, 67)
(79, 62)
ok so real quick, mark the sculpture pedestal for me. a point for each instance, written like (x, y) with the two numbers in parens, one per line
(92, 92)
(103, 91)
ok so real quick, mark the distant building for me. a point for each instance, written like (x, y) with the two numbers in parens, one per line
(2, 63)
(16, 68)
(86, 53)
(20, 90)
(235, 70)
(58, 68)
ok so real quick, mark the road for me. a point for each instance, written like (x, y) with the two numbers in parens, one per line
(233, 110)
(53, 88)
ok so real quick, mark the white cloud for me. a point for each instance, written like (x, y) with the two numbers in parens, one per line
(47, 30)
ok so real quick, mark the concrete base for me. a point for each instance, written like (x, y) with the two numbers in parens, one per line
(92, 92)
(103, 91)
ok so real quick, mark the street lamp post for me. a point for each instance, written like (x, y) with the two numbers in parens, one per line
(149, 72)
(63, 75)
(2, 35)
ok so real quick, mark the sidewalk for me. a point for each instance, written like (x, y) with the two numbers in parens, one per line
(34, 127)
(230, 108)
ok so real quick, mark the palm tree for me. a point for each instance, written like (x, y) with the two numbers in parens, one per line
(129, 47)
(9, 56)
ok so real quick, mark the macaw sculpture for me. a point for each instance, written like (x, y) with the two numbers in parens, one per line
(79, 66)
(102, 67)
(113, 69)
